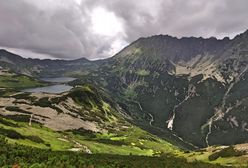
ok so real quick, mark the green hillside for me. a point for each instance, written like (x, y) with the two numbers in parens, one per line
(13, 155)
(174, 102)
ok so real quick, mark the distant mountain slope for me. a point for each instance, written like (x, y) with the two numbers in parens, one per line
(192, 86)
(44, 68)
(194, 89)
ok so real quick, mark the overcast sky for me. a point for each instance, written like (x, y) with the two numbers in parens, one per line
(69, 29)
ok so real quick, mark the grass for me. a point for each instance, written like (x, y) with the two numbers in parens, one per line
(47, 135)
(137, 142)
(19, 82)
(146, 147)
(117, 142)
(97, 147)
(14, 155)
(53, 140)
(130, 140)
(143, 72)
(227, 160)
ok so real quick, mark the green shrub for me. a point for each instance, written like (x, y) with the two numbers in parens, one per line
(11, 133)
(17, 109)
(35, 139)
(226, 152)
(24, 156)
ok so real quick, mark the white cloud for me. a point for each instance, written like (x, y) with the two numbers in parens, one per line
(105, 23)
(116, 46)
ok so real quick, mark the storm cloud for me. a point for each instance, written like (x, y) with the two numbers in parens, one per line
(69, 29)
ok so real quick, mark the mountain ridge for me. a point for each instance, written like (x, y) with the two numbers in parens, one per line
(150, 76)
(184, 86)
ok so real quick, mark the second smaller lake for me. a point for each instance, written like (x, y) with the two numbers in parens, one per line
(60, 88)
(59, 85)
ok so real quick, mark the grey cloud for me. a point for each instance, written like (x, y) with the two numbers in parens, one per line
(64, 31)
(25, 26)
(184, 18)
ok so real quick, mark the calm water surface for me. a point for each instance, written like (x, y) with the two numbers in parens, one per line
(56, 88)
(50, 89)
(58, 80)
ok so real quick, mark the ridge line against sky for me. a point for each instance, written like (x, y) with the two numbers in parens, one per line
(97, 29)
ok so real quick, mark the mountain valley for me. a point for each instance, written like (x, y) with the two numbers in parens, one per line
(158, 96)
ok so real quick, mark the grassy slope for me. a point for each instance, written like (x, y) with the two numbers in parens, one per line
(229, 160)
(135, 141)
(12, 155)
(18, 82)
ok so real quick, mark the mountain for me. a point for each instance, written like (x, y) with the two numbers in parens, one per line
(84, 119)
(43, 68)
(61, 130)
(193, 87)
(191, 92)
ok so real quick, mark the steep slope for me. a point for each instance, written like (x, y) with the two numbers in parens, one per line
(185, 86)
(84, 119)
(230, 120)
(188, 90)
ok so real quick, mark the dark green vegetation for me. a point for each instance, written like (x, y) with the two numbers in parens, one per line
(192, 92)
(37, 67)
(129, 140)
(51, 148)
(15, 135)
(45, 102)
(18, 82)
(23, 156)
(225, 153)
(195, 87)
(92, 105)
(16, 109)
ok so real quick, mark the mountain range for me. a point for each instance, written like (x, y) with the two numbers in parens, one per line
(190, 91)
